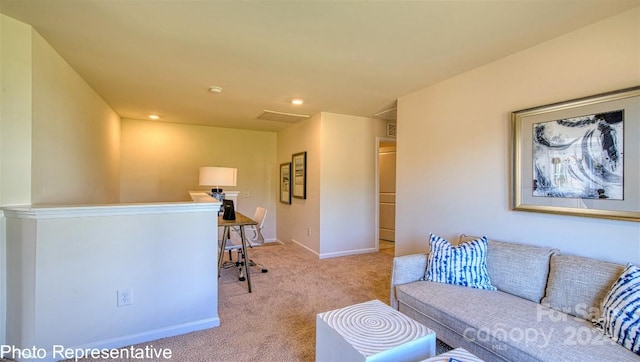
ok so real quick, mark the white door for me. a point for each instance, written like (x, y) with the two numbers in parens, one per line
(387, 189)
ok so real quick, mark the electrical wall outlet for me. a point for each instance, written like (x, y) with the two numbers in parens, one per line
(246, 194)
(125, 297)
(309, 231)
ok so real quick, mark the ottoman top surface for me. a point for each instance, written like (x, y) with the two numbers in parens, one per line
(372, 327)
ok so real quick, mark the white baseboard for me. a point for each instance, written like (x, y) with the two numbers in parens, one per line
(304, 246)
(336, 254)
(133, 339)
(266, 241)
(347, 253)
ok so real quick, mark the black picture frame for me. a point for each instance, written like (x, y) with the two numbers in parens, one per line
(299, 175)
(285, 183)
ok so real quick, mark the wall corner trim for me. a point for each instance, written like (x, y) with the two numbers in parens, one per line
(69, 211)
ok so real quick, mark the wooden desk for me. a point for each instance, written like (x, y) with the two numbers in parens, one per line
(241, 221)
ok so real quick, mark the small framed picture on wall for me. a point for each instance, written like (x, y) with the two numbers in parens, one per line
(299, 170)
(285, 183)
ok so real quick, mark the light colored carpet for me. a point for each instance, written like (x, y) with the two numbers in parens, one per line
(276, 322)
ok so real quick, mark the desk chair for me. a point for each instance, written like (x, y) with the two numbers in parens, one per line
(233, 245)
(258, 216)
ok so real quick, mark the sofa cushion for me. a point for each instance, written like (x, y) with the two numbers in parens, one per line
(465, 264)
(518, 269)
(497, 326)
(577, 285)
(621, 310)
(457, 354)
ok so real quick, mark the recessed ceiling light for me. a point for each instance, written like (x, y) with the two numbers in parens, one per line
(154, 116)
(215, 89)
(297, 101)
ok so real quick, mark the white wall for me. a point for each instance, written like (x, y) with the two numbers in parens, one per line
(454, 138)
(65, 266)
(76, 135)
(15, 112)
(59, 141)
(15, 131)
(347, 186)
(294, 219)
(160, 162)
(340, 205)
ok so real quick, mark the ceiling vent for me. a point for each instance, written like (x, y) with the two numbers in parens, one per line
(282, 117)
(391, 130)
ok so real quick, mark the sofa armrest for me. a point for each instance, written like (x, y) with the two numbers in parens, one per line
(406, 269)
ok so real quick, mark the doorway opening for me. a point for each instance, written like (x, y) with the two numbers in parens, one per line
(386, 192)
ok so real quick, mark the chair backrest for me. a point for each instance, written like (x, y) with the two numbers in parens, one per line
(259, 216)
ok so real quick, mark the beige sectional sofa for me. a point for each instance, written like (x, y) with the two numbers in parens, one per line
(542, 310)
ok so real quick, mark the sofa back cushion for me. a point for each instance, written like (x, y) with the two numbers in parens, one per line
(518, 269)
(577, 285)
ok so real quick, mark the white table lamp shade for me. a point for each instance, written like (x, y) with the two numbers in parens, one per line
(218, 176)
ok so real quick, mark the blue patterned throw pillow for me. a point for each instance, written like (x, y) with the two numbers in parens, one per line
(465, 264)
(621, 310)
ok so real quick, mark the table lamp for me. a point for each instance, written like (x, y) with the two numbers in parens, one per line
(217, 177)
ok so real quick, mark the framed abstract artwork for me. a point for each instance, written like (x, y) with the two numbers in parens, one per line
(579, 157)
(285, 183)
(299, 170)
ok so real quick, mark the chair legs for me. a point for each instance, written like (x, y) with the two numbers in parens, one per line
(239, 263)
(243, 262)
(258, 266)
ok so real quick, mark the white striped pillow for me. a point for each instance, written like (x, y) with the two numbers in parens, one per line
(621, 310)
(465, 264)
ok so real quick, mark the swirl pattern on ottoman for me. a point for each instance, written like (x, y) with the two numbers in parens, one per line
(373, 327)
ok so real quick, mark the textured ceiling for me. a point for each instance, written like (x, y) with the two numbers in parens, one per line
(355, 58)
